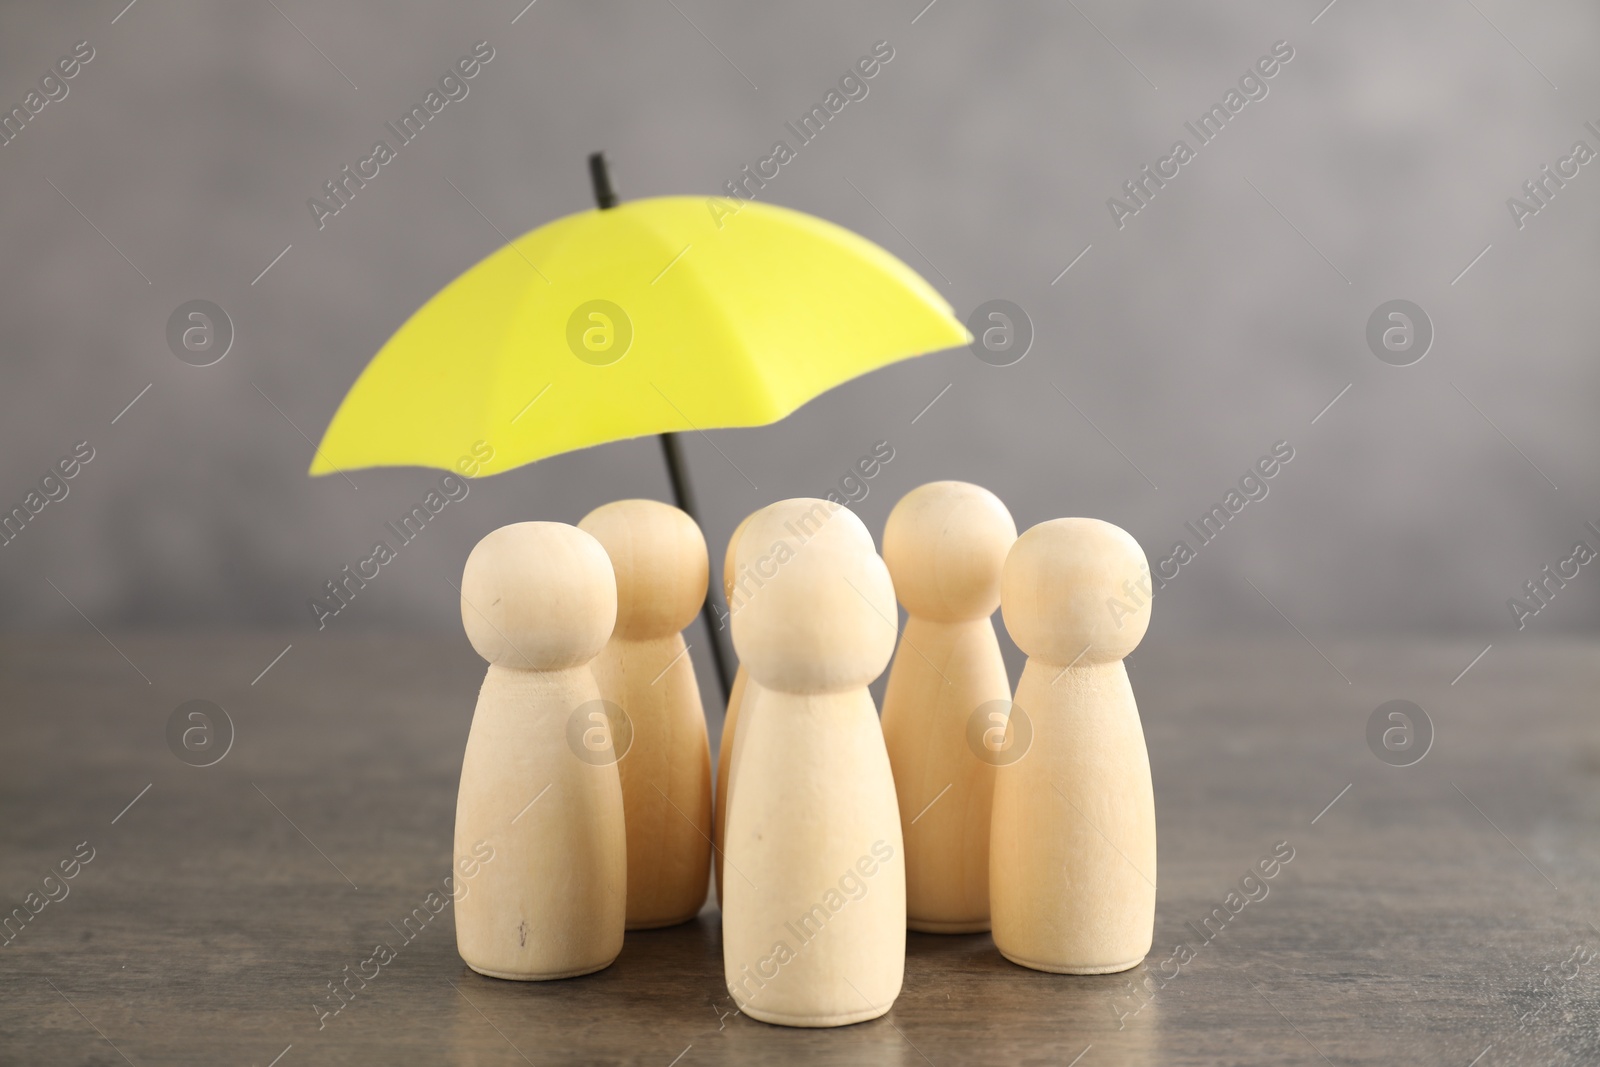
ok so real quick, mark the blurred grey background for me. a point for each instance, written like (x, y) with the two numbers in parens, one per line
(1177, 350)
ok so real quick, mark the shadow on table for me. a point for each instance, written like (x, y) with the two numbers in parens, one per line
(665, 997)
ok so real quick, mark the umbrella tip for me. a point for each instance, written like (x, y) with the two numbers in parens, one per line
(604, 195)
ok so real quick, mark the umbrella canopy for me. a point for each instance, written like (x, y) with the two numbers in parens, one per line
(653, 316)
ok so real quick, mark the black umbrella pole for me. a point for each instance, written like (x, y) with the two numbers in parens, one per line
(678, 472)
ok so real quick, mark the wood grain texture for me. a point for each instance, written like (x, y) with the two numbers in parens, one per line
(1405, 929)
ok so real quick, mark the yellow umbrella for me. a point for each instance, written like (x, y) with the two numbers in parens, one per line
(648, 317)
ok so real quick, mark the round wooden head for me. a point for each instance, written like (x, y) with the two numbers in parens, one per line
(803, 517)
(728, 557)
(788, 523)
(815, 609)
(659, 556)
(945, 543)
(538, 596)
(1076, 591)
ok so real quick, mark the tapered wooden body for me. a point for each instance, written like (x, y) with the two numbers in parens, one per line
(658, 557)
(797, 521)
(945, 545)
(813, 926)
(1072, 856)
(730, 723)
(942, 673)
(1072, 851)
(666, 777)
(814, 892)
(730, 715)
(551, 902)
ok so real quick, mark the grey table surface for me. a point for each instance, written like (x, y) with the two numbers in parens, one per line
(1440, 913)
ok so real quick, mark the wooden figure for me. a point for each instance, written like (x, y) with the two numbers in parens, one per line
(538, 601)
(730, 718)
(801, 518)
(813, 925)
(945, 543)
(659, 557)
(1072, 859)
